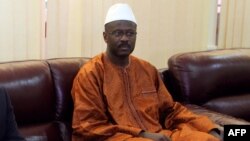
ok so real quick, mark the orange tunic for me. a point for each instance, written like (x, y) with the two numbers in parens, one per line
(114, 104)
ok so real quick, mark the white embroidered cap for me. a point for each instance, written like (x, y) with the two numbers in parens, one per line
(119, 11)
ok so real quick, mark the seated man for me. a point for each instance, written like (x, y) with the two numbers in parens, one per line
(8, 127)
(120, 97)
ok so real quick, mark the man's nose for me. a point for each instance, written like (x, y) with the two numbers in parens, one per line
(124, 37)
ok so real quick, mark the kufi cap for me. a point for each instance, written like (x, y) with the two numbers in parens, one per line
(120, 11)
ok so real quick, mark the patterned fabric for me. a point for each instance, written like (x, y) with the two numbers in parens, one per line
(114, 103)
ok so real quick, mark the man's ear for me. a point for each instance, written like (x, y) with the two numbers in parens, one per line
(105, 36)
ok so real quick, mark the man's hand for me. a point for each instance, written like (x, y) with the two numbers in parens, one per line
(154, 136)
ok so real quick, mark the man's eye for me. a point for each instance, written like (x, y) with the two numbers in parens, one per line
(118, 33)
(130, 33)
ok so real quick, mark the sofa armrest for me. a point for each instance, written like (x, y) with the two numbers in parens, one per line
(218, 118)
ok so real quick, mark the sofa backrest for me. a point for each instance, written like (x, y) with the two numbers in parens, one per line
(30, 86)
(40, 90)
(218, 79)
(63, 72)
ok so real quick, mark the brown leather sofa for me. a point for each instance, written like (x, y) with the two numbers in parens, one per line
(212, 82)
(40, 95)
(41, 98)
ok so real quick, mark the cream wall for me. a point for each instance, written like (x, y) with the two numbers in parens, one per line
(235, 24)
(74, 28)
(168, 27)
(21, 29)
(165, 27)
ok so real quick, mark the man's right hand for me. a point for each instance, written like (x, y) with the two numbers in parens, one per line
(154, 136)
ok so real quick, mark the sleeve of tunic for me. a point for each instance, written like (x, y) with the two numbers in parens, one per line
(90, 118)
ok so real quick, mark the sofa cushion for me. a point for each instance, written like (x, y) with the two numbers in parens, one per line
(236, 105)
(31, 90)
(51, 131)
(216, 117)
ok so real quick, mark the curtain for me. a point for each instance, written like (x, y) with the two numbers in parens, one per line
(234, 28)
(74, 28)
(165, 27)
(168, 27)
(65, 29)
(22, 31)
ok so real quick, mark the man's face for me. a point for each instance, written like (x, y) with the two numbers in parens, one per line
(120, 37)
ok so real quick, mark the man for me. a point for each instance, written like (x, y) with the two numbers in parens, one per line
(8, 127)
(119, 97)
